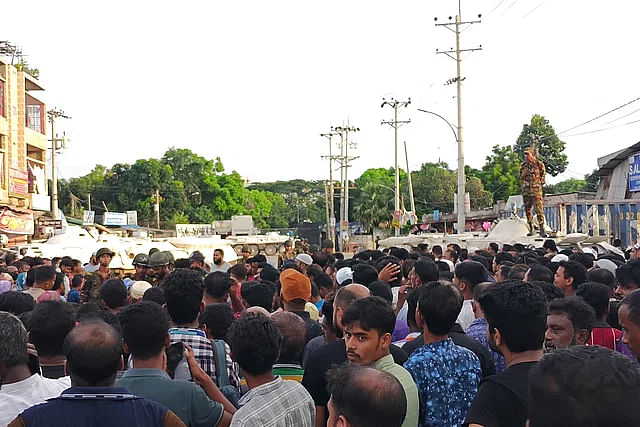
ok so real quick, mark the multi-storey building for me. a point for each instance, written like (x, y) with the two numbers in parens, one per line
(23, 152)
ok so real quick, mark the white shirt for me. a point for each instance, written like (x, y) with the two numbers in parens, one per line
(16, 397)
(466, 316)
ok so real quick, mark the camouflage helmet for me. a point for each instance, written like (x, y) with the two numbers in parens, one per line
(103, 251)
(159, 259)
(141, 259)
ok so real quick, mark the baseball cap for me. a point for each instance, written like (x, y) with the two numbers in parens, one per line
(295, 285)
(345, 273)
(138, 289)
(305, 258)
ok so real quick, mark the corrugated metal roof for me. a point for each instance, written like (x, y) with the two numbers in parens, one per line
(620, 156)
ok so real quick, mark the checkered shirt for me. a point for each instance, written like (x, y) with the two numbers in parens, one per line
(279, 403)
(201, 345)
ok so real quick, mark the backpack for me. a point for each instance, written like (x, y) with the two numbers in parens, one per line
(226, 388)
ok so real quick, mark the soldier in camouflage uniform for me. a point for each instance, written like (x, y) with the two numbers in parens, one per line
(532, 176)
(91, 288)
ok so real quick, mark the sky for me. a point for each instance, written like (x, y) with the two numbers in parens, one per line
(256, 82)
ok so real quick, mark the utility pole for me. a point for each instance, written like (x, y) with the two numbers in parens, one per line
(413, 203)
(89, 200)
(458, 80)
(156, 207)
(331, 216)
(53, 115)
(344, 163)
(395, 124)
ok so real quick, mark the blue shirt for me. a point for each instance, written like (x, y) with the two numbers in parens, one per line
(96, 406)
(74, 296)
(478, 331)
(447, 377)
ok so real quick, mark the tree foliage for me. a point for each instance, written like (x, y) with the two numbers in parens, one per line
(192, 189)
(501, 173)
(550, 147)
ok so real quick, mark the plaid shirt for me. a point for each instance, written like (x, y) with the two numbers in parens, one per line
(201, 345)
(278, 403)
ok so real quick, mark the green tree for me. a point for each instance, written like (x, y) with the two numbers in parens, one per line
(550, 147)
(500, 174)
(375, 206)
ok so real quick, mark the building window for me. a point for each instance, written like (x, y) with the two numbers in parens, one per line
(2, 99)
(34, 118)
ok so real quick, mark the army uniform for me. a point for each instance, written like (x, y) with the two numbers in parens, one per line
(92, 284)
(532, 177)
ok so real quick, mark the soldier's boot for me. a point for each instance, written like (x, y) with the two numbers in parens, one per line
(531, 229)
(543, 233)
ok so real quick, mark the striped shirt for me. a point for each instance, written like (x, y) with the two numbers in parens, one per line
(278, 403)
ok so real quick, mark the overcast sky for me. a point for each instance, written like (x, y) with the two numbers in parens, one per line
(256, 82)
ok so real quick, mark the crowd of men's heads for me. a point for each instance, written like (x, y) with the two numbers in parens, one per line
(531, 299)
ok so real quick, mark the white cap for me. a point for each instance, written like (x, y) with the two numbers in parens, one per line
(607, 264)
(591, 251)
(138, 289)
(305, 258)
(343, 275)
(560, 258)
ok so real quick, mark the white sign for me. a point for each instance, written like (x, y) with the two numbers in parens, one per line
(40, 202)
(88, 217)
(114, 218)
(194, 230)
(132, 217)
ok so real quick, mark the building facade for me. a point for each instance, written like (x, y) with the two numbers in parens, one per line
(23, 152)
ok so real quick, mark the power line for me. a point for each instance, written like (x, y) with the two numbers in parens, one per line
(495, 8)
(603, 129)
(534, 9)
(508, 7)
(622, 117)
(600, 116)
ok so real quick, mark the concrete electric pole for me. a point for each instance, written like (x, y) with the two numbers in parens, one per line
(53, 115)
(345, 161)
(459, 79)
(331, 216)
(395, 124)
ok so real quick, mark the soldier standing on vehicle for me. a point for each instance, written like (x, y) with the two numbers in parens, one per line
(532, 177)
(91, 289)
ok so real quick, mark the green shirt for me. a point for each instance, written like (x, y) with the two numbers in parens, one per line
(386, 364)
(187, 400)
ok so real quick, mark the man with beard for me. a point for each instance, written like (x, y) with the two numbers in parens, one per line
(161, 264)
(91, 289)
(516, 315)
(218, 262)
(141, 264)
(368, 324)
(569, 322)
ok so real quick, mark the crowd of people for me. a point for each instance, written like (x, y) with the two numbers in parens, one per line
(432, 336)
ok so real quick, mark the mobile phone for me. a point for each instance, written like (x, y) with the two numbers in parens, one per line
(177, 365)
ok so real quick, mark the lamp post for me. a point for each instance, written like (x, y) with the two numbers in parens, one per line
(461, 178)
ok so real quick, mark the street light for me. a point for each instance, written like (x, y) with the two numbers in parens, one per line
(461, 177)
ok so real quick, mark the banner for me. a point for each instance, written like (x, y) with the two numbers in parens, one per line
(634, 173)
(15, 222)
(194, 230)
(18, 183)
